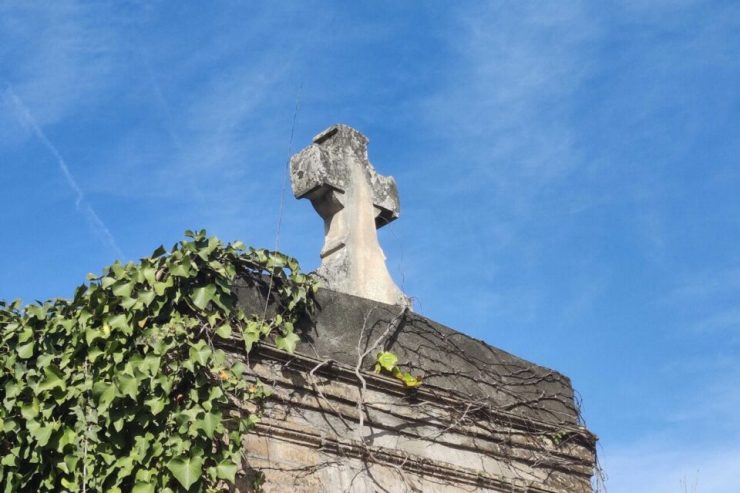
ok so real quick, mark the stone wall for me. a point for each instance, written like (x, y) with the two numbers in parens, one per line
(483, 420)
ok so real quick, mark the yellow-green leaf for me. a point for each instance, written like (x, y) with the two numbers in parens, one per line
(387, 360)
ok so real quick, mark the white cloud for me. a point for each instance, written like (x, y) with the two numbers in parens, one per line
(653, 466)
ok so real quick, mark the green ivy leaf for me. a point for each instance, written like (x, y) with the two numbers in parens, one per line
(287, 342)
(159, 251)
(200, 353)
(146, 297)
(224, 331)
(209, 423)
(187, 470)
(123, 290)
(127, 385)
(250, 338)
(181, 270)
(117, 322)
(30, 410)
(39, 432)
(68, 437)
(25, 335)
(104, 393)
(156, 404)
(143, 487)
(25, 351)
(226, 470)
(54, 379)
(203, 295)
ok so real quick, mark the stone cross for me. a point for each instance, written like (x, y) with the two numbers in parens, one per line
(354, 200)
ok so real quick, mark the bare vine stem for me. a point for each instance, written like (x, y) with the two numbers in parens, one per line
(361, 355)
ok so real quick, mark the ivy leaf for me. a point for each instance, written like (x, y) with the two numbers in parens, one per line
(41, 434)
(149, 274)
(181, 269)
(210, 423)
(246, 424)
(187, 470)
(71, 461)
(54, 379)
(387, 360)
(408, 379)
(68, 437)
(226, 470)
(30, 410)
(159, 251)
(250, 337)
(200, 353)
(25, 351)
(146, 297)
(156, 404)
(117, 322)
(9, 460)
(37, 311)
(143, 487)
(203, 295)
(127, 385)
(104, 393)
(123, 290)
(25, 335)
(224, 331)
(287, 342)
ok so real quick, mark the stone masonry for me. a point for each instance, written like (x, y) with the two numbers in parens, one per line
(482, 421)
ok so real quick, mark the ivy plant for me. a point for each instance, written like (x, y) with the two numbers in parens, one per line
(388, 362)
(123, 387)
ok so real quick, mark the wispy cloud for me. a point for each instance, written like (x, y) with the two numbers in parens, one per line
(507, 109)
(719, 282)
(707, 302)
(81, 204)
(214, 141)
(651, 465)
(60, 56)
(719, 320)
(501, 118)
(692, 438)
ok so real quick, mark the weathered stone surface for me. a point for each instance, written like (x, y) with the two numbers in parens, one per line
(334, 173)
(483, 420)
(345, 326)
(321, 165)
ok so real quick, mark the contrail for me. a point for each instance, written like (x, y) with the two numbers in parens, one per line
(82, 206)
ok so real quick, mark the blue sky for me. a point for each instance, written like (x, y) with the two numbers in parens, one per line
(568, 174)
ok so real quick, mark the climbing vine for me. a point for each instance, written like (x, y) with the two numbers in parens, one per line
(123, 387)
